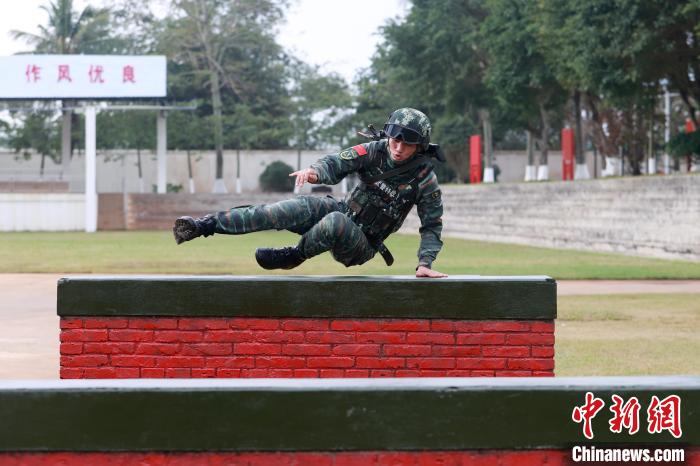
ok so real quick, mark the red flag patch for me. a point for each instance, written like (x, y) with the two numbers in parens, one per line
(360, 149)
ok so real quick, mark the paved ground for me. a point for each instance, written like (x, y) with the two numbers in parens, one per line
(29, 325)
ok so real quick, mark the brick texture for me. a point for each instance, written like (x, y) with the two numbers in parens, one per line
(477, 458)
(304, 348)
(446, 458)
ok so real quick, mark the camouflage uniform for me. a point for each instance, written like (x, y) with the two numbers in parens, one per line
(329, 225)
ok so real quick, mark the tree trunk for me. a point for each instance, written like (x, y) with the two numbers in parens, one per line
(189, 171)
(651, 156)
(605, 131)
(459, 161)
(543, 169)
(578, 150)
(66, 123)
(218, 124)
(581, 170)
(637, 154)
(485, 116)
(544, 136)
(138, 165)
(530, 174)
(530, 148)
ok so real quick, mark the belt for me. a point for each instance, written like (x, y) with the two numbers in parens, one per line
(381, 249)
(386, 254)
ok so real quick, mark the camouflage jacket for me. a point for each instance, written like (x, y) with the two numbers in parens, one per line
(373, 158)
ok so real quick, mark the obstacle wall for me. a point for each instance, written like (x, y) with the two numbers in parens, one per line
(327, 422)
(306, 327)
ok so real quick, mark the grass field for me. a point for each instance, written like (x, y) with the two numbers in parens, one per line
(156, 252)
(648, 334)
(651, 334)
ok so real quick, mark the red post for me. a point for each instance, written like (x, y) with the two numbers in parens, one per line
(689, 128)
(567, 151)
(475, 159)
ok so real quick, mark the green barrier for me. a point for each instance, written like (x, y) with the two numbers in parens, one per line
(456, 297)
(326, 415)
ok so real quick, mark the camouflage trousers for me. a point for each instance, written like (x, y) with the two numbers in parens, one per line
(321, 222)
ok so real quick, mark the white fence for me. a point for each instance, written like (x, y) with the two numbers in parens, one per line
(42, 212)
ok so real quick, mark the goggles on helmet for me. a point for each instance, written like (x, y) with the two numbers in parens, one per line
(406, 135)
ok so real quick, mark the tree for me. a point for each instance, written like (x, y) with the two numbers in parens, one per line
(434, 61)
(37, 131)
(518, 74)
(319, 104)
(686, 144)
(674, 36)
(210, 35)
(602, 52)
(127, 130)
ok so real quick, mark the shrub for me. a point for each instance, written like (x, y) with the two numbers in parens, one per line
(276, 178)
(685, 144)
(444, 172)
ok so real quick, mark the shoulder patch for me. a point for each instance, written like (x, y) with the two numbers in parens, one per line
(348, 154)
(436, 194)
(360, 149)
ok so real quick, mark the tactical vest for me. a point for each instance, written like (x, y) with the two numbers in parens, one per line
(380, 208)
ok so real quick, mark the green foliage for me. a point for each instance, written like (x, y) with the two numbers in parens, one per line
(513, 63)
(169, 188)
(518, 73)
(126, 130)
(187, 130)
(38, 132)
(69, 31)
(228, 49)
(431, 61)
(444, 173)
(319, 104)
(685, 144)
(276, 177)
(519, 61)
(608, 51)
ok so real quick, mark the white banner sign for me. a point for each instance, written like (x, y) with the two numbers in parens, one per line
(82, 76)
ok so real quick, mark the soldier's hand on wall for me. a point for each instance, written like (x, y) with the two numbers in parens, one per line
(424, 271)
(307, 175)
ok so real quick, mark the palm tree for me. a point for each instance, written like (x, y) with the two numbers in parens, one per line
(69, 32)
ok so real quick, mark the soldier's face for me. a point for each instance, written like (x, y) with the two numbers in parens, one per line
(400, 151)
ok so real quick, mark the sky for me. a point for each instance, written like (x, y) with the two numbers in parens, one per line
(338, 35)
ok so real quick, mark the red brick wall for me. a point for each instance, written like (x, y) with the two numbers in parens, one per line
(293, 347)
(472, 458)
(502, 458)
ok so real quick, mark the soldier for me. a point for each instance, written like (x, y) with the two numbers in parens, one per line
(395, 174)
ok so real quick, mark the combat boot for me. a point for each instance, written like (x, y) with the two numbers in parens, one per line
(279, 258)
(187, 228)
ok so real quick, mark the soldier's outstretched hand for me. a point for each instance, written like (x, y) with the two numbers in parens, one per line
(429, 273)
(307, 175)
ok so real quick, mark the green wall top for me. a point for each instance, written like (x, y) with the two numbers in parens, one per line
(456, 297)
(327, 415)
